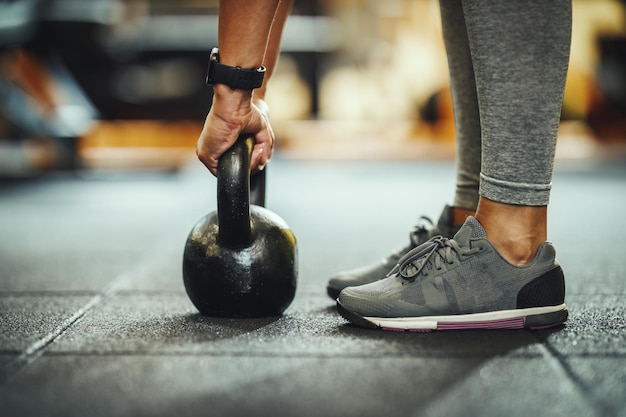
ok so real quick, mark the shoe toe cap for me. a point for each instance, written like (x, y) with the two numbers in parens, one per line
(356, 301)
(356, 277)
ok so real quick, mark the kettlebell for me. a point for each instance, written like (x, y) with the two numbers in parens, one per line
(240, 261)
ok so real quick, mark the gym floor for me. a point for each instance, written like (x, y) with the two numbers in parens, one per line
(95, 321)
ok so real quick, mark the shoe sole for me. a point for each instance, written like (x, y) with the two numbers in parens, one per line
(528, 318)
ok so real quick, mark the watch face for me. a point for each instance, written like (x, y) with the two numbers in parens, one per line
(214, 58)
(215, 55)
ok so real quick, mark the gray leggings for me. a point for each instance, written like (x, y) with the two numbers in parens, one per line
(508, 63)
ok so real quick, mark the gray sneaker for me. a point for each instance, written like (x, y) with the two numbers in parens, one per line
(423, 231)
(461, 283)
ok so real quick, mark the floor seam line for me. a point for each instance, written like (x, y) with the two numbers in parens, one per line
(558, 363)
(37, 348)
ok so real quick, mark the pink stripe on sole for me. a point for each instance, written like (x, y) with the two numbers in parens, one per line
(512, 323)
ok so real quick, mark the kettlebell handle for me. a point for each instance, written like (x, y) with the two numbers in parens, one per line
(233, 193)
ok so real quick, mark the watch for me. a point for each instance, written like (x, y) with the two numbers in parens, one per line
(234, 77)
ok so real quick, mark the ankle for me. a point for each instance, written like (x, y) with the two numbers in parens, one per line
(459, 215)
(517, 252)
(515, 231)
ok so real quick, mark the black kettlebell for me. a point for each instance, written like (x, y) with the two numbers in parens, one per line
(240, 261)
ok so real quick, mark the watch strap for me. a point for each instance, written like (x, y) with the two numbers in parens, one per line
(235, 77)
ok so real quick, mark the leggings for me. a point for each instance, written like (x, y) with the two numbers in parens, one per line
(508, 63)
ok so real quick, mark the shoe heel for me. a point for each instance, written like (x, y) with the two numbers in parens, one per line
(547, 320)
(545, 290)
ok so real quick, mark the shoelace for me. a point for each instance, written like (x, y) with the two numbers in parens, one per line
(435, 251)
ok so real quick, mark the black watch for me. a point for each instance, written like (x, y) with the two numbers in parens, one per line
(234, 77)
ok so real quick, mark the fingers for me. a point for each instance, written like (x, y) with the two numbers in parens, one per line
(211, 144)
(203, 153)
(261, 153)
(260, 165)
(264, 146)
(208, 162)
(217, 136)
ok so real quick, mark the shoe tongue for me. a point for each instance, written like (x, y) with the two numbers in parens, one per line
(471, 229)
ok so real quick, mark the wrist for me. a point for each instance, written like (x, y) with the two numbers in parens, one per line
(261, 104)
(230, 99)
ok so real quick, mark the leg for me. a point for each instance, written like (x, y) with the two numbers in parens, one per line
(520, 52)
(467, 123)
(465, 103)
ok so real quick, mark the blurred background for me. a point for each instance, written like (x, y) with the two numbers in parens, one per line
(119, 84)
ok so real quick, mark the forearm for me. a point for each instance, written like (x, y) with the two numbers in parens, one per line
(243, 37)
(244, 29)
(272, 51)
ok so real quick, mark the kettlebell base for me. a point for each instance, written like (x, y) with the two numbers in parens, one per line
(235, 295)
(245, 313)
(240, 307)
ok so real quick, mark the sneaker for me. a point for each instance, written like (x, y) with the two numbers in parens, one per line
(423, 231)
(461, 283)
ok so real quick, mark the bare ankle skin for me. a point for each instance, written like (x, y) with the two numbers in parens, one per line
(459, 215)
(515, 231)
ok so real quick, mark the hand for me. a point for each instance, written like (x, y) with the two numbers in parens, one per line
(264, 109)
(232, 114)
